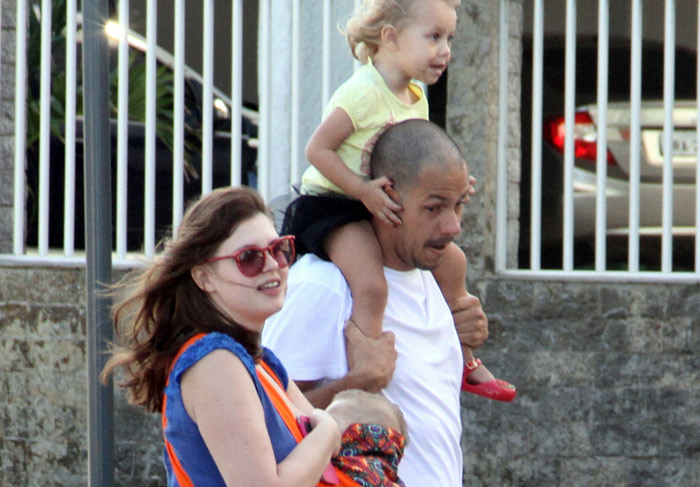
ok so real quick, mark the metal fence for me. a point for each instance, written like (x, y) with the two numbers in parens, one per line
(606, 171)
(609, 141)
(175, 133)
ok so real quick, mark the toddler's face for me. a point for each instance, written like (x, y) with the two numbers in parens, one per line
(424, 40)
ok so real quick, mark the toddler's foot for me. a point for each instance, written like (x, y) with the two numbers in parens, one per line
(480, 374)
(478, 380)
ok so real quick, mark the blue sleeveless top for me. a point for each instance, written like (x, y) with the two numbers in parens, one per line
(183, 434)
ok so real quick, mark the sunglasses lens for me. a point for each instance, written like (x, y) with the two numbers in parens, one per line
(283, 252)
(251, 262)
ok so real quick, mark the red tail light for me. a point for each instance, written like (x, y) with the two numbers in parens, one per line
(585, 136)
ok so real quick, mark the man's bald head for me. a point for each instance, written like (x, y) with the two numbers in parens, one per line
(403, 149)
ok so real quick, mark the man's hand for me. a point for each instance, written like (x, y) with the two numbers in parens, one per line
(470, 320)
(371, 365)
(371, 361)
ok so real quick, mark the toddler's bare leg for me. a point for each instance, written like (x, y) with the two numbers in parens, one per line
(451, 276)
(355, 250)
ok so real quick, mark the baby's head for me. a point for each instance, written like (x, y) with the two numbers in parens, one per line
(357, 406)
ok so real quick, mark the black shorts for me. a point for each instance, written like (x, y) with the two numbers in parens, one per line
(311, 218)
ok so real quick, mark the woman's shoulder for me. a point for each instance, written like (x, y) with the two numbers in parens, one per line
(276, 365)
(205, 345)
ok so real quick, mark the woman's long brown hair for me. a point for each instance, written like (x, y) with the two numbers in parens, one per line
(162, 307)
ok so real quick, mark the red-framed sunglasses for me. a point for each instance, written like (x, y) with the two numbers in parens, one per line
(251, 260)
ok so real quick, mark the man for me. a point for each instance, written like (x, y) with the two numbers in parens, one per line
(417, 363)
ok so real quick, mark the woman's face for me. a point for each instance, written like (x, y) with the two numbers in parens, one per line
(247, 300)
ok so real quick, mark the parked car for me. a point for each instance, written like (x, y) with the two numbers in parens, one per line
(618, 156)
(222, 111)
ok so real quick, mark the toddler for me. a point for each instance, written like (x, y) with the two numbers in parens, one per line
(397, 41)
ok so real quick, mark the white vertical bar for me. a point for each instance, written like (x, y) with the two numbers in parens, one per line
(0, 44)
(669, 80)
(569, 113)
(602, 143)
(326, 55)
(207, 96)
(122, 129)
(236, 90)
(356, 64)
(264, 100)
(295, 88)
(45, 127)
(150, 139)
(178, 113)
(635, 134)
(697, 165)
(502, 181)
(69, 156)
(20, 126)
(536, 137)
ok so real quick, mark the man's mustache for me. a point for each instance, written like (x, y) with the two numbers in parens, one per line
(439, 242)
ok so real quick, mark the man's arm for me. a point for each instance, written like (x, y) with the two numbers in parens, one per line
(371, 363)
(308, 337)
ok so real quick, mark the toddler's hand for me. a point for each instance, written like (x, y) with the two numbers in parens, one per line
(472, 183)
(378, 202)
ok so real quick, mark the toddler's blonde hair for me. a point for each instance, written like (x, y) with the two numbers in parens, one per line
(364, 28)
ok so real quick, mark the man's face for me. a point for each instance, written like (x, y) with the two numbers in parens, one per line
(431, 216)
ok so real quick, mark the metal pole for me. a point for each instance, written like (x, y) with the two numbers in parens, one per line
(98, 233)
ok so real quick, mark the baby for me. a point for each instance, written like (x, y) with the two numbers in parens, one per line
(374, 438)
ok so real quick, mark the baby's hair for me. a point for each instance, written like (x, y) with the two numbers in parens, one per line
(372, 408)
(364, 28)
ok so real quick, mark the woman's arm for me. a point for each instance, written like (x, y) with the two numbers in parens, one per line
(220, 397)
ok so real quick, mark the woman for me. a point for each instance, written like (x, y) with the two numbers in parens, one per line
(190, 327)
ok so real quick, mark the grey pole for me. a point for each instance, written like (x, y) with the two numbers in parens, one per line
(98, 240)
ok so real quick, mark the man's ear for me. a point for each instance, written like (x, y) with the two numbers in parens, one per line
(390, 36)
(201, 278)
(393, 194)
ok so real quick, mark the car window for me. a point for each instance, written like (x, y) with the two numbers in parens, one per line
(619, 69)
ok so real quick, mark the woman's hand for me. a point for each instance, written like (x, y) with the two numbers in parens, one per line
(377, 201)
(321, 419)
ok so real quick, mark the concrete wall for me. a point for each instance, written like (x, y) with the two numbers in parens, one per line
(607, 376)
(43, 390)
(607, 373)
(7, 120)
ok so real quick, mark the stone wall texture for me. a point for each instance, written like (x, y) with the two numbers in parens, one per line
(608, 386)
(7, 120)
(43, 388)
(607, 376)
(607, 373)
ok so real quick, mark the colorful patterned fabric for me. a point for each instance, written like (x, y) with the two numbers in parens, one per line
(370, 455)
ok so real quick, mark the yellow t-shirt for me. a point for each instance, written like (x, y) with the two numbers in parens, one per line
(372, 107)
